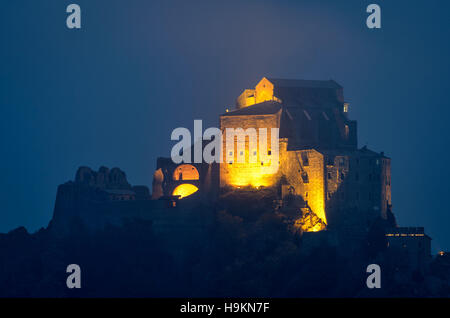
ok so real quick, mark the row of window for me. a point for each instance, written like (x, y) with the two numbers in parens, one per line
(370, 196)
(370, 176)
(341, 176)
(241, 153)
(305, 178)
(341, 162)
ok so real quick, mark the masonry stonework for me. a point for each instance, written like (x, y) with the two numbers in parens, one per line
(318, 160)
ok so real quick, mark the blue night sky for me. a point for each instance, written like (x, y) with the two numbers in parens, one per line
(111, 93)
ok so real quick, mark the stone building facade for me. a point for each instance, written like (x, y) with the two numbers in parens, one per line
(410, 246)
(318, 159)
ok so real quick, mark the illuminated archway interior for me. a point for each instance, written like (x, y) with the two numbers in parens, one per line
(186, 172)
(184, 190)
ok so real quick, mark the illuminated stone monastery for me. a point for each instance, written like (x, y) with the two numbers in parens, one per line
(319, 160)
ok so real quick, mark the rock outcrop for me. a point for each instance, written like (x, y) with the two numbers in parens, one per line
(310, 222)
(86, 199)
(103, 178)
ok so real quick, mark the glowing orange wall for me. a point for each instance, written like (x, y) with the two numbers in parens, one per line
(290, 164)
(242, 174)
(263, 92)
(313, 191)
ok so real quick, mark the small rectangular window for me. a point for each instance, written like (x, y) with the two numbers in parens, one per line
(305, 177)
(305, 159)
(345, 108)
(330, 161)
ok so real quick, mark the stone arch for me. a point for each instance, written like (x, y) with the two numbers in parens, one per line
(184, 190)
(186, 172)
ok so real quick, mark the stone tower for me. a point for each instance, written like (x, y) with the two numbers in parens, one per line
(318, 155)
(315, 156)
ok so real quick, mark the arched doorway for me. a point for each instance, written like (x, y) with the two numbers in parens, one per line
(184, 190)
(186, 172)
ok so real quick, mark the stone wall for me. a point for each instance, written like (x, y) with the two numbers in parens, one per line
(357, 181)
(84, 204)
(259, 173)
(166, 178)
(303, 170)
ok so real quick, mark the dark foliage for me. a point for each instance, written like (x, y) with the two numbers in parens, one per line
(249, 250)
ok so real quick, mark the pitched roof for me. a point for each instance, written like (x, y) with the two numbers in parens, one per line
(362, 151)
(366, 151)
(279, 82)
(264, 108)
(308, 93)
